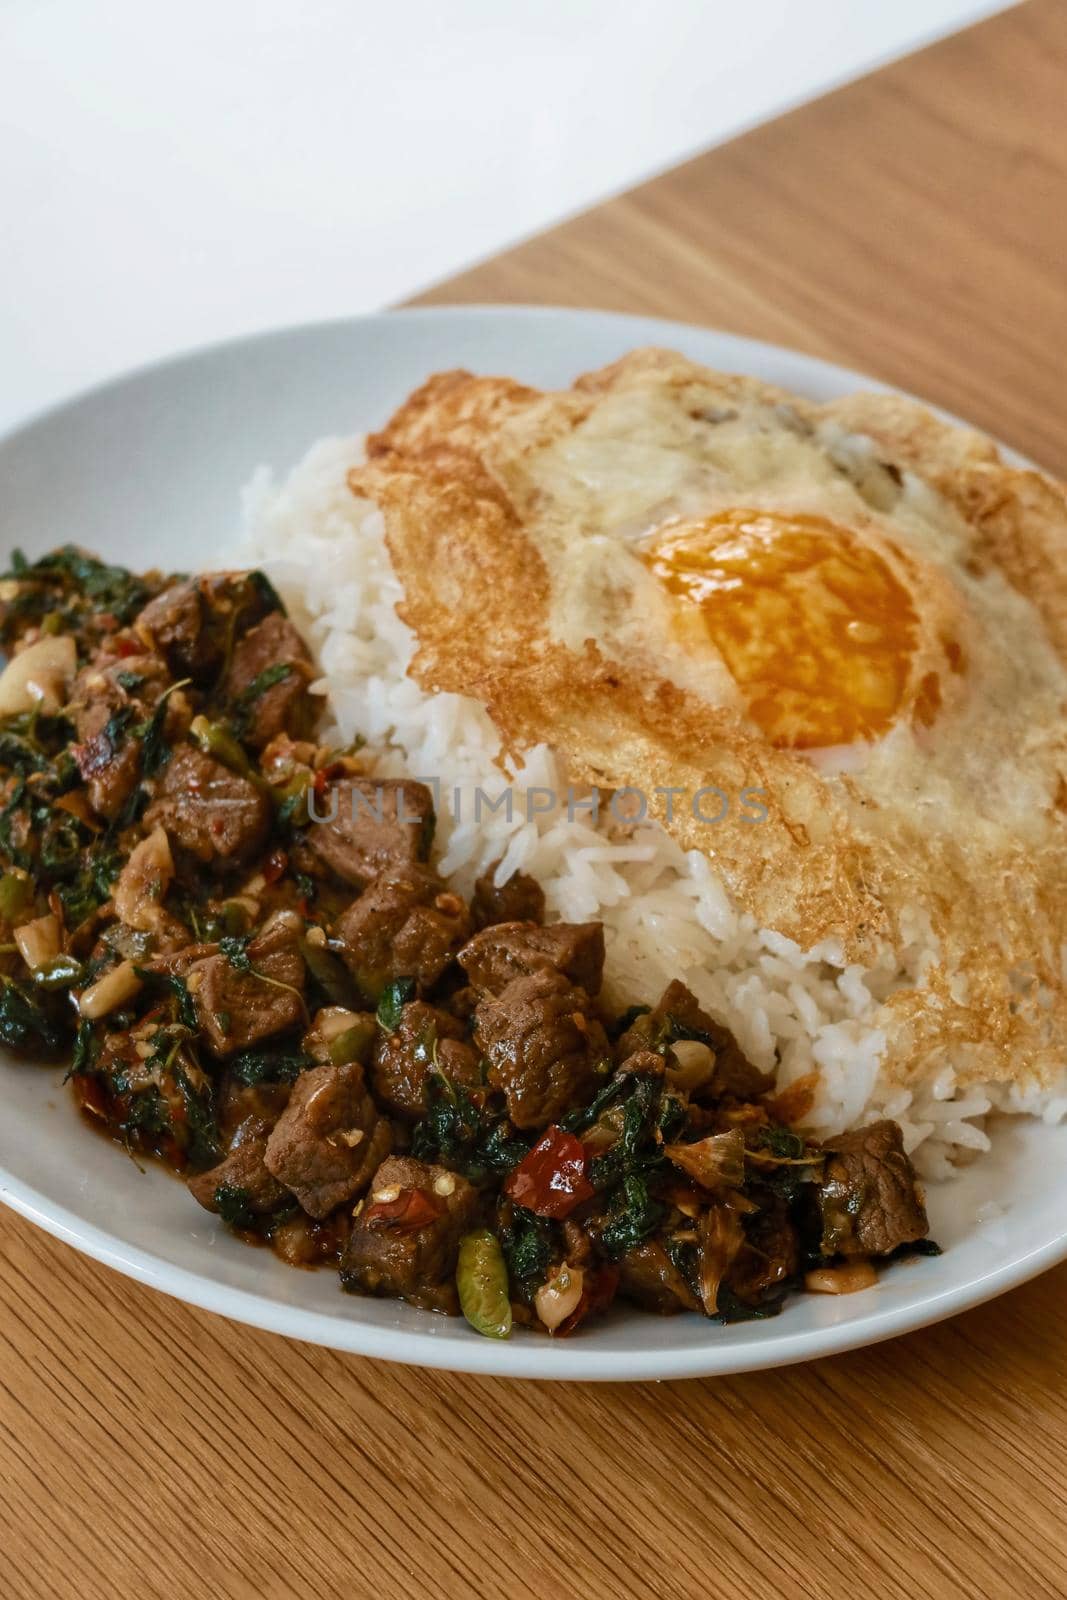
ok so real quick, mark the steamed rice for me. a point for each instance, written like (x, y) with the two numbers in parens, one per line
(665, 913)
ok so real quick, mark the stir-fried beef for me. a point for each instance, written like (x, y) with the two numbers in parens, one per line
(219, 816)
(193, 624)
(405, 1238)
(509, 950)
(273, 1003)
(770, 1254)
(521, 899)
(329, 1139)
(380, 825)
(266, 685)
(112, 705)
(405, 925)
(544, 1046)
(649, 1276)
(241, 1187)
(678, 1015)
(424, 1041)
(869, 1200)
(172, 623)
(250, 990)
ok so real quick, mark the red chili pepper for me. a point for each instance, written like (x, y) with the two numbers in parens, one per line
(598, 1291)
(412, 1209)
(551, 1180)
(128, 647)
(318, 783)
(274, 866)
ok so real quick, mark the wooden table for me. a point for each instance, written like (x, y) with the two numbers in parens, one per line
(913, 225)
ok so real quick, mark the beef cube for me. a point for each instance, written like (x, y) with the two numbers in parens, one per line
(242, 1176)
(301, 1241)
(521, 899)
(329, 1139)
(542, 1045)
(424, 1040)
(192, 623)
(266, 684)
(217, 815)
(869, 1199)
(381, 825)
(172, 624)
(509, 950)
(235, 1007)
(406, 1238)
(241, 1103)
(770, 1254)
(405, 925)
(679, 1015)
(108, 700)
(648, 1276)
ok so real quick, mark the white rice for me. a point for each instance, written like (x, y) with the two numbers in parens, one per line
(665, 913)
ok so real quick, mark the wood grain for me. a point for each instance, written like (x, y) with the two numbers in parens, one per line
(912, 226)
(915, 226)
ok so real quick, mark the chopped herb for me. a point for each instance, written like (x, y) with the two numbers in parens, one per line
(61, 847)
(155, 752)
(781, 1143)
(915, 1247)
(242, 709)
(147, 1116)
(528, 1243)
(19, 856)
(585, 1116)
(86, 1049)
(18, 755)
(185, 1009)
(233, 1206)
(636, 1216)
(235, 948)
(116, 726)
(733, 1309)
(91, 884)
(67, 589)
(202, 1142)
(253, 1067)
(26, 1026)
(465, 1135)
(395, 997)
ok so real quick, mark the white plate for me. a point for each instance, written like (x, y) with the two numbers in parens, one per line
(147, 471)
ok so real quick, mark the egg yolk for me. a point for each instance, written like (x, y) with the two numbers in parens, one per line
(816, 629)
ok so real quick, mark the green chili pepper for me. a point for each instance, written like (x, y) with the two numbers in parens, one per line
(482, 1281)
(16, 894)
(290, 800)
(216, 740)
(62, 972)
(234, 918)
(354, 1043)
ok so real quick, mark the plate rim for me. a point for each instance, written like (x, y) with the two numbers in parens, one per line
(521, 1358)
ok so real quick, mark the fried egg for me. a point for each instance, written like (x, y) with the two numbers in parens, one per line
(679, 578)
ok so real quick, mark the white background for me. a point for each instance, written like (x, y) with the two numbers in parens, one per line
(171, 175)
